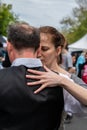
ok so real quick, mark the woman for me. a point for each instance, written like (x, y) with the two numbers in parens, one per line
(50, 49)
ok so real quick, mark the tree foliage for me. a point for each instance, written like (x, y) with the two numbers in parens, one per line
(75, 27)
(6, 17)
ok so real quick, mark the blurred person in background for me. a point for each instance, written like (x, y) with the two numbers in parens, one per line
(67, 63)
(1, 55)
(74, 59)
(80, 61)
(83, 69)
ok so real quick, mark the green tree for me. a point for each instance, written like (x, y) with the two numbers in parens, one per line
(6, 17)
(75, 27)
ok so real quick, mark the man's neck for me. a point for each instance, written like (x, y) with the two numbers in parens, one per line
(25, 54)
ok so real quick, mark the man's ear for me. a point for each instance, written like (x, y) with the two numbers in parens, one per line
(10, 51)
(9, 47)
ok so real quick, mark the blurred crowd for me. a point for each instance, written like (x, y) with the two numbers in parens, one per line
(4, 59)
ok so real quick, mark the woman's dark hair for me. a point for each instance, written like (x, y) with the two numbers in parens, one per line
(56, 37)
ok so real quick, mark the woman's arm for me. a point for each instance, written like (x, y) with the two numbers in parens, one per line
(50, 78)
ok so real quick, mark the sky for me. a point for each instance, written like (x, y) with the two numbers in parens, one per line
(42, 12)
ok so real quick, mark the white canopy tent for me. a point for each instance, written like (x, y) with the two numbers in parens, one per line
(79, 45)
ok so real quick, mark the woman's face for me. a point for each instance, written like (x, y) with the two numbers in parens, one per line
(48, 53)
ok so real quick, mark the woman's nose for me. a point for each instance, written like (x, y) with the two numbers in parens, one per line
(39, 53)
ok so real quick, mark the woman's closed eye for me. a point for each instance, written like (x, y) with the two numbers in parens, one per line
(44, 48)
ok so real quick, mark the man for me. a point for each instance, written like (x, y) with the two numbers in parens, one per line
(20, 108)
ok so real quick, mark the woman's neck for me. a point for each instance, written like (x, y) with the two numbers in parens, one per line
(55, 67)
(59, 69)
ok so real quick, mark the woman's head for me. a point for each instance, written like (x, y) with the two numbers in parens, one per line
(51, 43)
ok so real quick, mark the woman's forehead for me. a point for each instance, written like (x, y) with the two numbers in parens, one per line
(45, 37)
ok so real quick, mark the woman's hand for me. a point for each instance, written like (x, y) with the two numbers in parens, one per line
(47, 79)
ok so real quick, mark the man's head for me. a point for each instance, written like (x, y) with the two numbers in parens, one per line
(23, 41)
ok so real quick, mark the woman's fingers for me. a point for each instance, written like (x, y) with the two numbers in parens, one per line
(35, 72)
(35, 83)
(33, 77)
(40, 89)
(38, 72)
(45, 79)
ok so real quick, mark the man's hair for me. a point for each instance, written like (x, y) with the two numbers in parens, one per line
(22, 35)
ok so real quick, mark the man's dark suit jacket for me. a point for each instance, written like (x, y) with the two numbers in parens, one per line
(21, 109)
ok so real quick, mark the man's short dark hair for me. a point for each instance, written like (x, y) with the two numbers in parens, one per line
(22, 35)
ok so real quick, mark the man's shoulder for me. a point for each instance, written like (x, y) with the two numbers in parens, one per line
(20, 68)
(40, 68)
(9, 69)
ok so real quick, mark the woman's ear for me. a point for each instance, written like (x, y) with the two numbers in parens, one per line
(59, 50)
